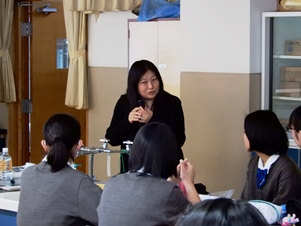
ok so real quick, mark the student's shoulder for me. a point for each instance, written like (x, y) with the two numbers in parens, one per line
(78, 178)
(287, 167)
(287, 163)
(39, 167)
(120, 176)
(75, 173)
(119, 180)
(28, 170)
(159, 182)
(285, 160)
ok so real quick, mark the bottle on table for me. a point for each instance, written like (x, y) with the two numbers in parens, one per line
(6, 168)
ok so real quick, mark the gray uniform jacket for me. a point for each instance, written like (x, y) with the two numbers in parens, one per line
(129, 200)
(59, 199)
(282, 183)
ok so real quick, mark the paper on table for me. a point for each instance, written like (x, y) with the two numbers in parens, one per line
(27, 164)
(11, 188)
(101, 186)
(224, 194)
(204, 197)
(218, 194)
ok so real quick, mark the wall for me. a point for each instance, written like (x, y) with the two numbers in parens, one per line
(222, 37)
(108, 62)
(220, 83)
(220, 40)
(221, 79)
(215, 107)
(108, 39)
(106, 84)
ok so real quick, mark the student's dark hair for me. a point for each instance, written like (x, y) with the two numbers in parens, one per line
(137, 70)
(154, 151)
(295, 119)
(222, 212)
(265, 133)
(61, 133)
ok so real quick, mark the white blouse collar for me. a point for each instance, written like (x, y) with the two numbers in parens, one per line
(269, 163)
(70, 164)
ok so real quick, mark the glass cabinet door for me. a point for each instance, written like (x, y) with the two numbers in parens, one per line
(285, 66)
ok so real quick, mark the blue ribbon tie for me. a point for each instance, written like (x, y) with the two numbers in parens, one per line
(261, 178)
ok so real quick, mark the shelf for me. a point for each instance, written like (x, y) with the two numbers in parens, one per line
(287, 98)
(287, 57)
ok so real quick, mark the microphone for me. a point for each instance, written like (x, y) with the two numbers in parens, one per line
(141, 103)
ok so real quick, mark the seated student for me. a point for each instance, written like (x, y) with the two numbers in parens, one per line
(293, 206)
(143, 196)
(222, 212)
(52, 192)
(294, 125)
(272, 175)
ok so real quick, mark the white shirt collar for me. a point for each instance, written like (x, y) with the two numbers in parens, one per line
(70, 164)
(44, 159)
(269, 163)
(142, 171)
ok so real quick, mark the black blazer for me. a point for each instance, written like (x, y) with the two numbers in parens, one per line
(169, 111)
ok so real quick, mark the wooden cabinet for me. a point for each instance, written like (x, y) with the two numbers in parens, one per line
(159, 42)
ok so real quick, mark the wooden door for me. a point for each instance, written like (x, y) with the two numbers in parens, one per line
(47, 83)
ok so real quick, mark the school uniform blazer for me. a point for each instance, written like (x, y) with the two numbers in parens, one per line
(61, 198)
(134, 200)
(169, 113)
(282, 183)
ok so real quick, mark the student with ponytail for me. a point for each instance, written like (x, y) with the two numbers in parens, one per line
(52, 192)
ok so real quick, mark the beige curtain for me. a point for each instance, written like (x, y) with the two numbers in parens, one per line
(7, 83)
(103, 5)
(75, 13)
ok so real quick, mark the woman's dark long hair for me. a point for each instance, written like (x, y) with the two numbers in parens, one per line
(61, 133)
(137, 70)
(154, 151)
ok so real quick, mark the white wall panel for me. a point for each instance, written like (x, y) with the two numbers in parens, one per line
(108, 39)
(218, 36)
(143, 42)
(215, 35)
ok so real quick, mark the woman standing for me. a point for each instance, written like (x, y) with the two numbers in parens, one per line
(145, 101)
(272, 175)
